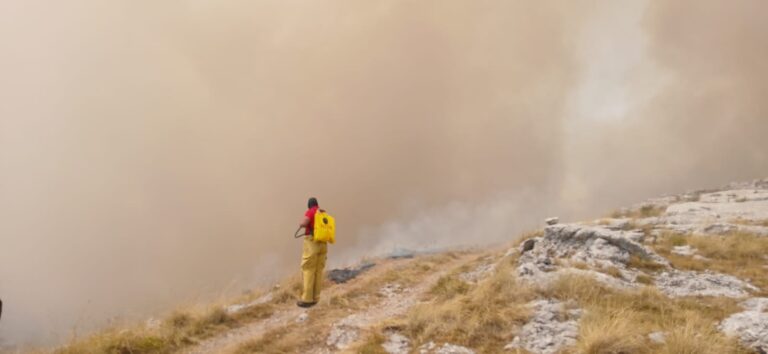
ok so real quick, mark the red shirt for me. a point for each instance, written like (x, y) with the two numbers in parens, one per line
(311, 215)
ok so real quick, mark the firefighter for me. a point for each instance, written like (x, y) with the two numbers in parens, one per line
(313, 258)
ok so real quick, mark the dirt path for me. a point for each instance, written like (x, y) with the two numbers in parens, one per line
(229, 340)
(349, 331)
(345, 329)
(284, 315)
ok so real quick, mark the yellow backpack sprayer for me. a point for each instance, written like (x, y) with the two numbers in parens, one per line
(324, 228)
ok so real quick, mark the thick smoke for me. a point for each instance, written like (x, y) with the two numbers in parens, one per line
(154, 153)
(695, 113)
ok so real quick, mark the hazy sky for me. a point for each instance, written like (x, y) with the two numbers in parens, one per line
(153, 153)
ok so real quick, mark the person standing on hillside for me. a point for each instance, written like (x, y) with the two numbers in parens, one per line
(313, 258)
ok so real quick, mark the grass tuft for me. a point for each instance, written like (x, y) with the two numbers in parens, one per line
(644, 279)
(611, 331)
(698, 336)
(646, 264)
(448, 287)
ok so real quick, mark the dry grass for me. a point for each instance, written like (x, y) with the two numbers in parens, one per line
(372, 345)
(615, 321)
(631, 224)
(577, 264)
(300, 338)
(481, 318)
(610, 331)
(405, 275)
(448, 287)
(178, 330)
(741, 221)
(619, 321)
(522, 238)
(739, 246)
(187, 326)
(739, 254)
(645, 211)
(451, 285)
(645, 264)
(278, 340)
(612, 271)
(181, 328)
(485, 316)
(698, 336)
(644, 279)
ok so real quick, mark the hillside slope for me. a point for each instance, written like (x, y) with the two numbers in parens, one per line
(679, 274)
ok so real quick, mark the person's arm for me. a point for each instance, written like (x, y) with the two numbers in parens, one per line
(304, 222)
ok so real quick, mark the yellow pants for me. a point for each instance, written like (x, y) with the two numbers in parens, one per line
(313, 259)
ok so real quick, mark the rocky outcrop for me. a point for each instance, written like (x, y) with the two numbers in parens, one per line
(680, 283)
(552, 328)
(750, 326)
(716, 213)
(594, 246)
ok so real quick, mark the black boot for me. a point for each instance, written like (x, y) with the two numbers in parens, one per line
(305, 304)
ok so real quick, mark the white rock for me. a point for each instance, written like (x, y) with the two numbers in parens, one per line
(701, 258)
(750, 326)
(344, 332)
(478, 273)
(396, 344)
(551, 328)
(682, 283)
(657, 337)
(303, 317)
(713, 213)
(711, 217)
(734, 196)
(759, 304)
(446, 348)
(453, 349)
(552, 221)
(390, 290)
(684, 250)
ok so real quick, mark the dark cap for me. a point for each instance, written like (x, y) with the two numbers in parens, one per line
(312, 202)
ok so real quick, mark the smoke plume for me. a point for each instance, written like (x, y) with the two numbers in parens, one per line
(154, 153)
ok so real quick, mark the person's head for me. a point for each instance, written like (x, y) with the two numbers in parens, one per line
(312, 202)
